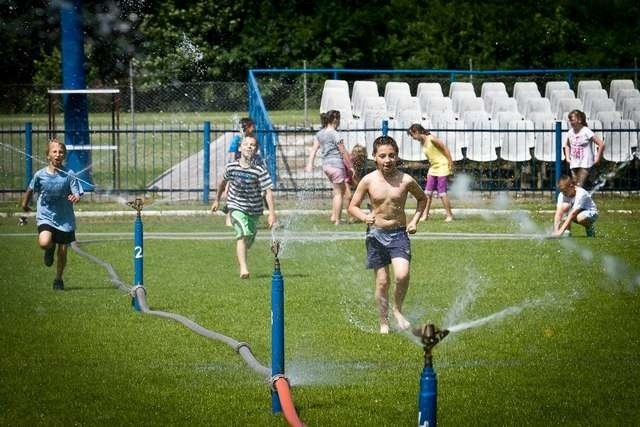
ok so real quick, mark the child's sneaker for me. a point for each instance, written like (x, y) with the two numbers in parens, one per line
(48, 256)
(591, 231)
(58, 285)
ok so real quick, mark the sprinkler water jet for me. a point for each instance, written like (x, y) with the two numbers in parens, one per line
(427, 399)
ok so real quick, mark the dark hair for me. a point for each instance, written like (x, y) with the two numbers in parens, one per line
(384, 140)
(582, 118)
(332, 115)
(323, 120)
(417, 127)
(245, 122)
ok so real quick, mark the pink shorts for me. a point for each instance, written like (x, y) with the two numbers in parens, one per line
(335, 175)
(436, 182)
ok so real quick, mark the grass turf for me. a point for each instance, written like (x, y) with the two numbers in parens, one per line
(564, 353)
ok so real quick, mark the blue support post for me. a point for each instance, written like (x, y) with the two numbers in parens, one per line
(28, 151)
(76, 110)
(558, 147)
(206, 163)
(277, 328)
(385, 128)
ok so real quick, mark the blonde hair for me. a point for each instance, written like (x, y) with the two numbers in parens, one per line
(56, 141)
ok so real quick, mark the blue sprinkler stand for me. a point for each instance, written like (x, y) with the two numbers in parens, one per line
(138, 235)
(428, 397)
(277, 326)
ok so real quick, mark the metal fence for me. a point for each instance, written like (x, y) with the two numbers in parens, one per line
(187, 163)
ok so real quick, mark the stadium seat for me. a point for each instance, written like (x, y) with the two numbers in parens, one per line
(458, 96)
(624, 94)
(461, 87)
(629, 106)
(373, 103)
(504, 117)
(353, 133)
(608, 116)
(504, 104)
(393, 96)
(491, 98)
(401, 86)
(619, 84)
(557, 95)
(584, 85)
(620, 140)
(443, 116)
(336, 98)
(452, 133)
(544, 143)
(472, 116)
(432, 88)
(492, 87)
(516, 143)
(539, 116)
(470, 104)
(552, 86)
(403, 104)
(362, 89)
(482, 141)
(520, 87)
(434, 105)
(536, 105)
(601, 104)
(565, 105)
(589, 95)
(340, 84)
(409, 149)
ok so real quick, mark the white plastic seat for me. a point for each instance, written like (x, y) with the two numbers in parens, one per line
(584, 85)
(492, 87)
(340, 103)
(601, 104)
(337, 95)
(608, 116)
(490, 99)
(471, 104)
(352, 132)
(540, 116)
(504, 104)
(392, 86)
(624, 94)
(590, 95)
(618, 84)
(565, 105)
(535, 105)
(403, 104)
(516, 143)
(461, 87)
(409, 116)
(431, 88)
(524, 96)
(393, 96)
(620, 140)
(373, 103)
(629, 106)
(482, 141)
(520, 87)
(433, 105)
(552, 86)
(409, 149)
(443, 116)
(458, 97)
(504, 117)
(340, 84)
(557, 95)
(472, 116)
(544, 144)
(452, 134)
(361, 90)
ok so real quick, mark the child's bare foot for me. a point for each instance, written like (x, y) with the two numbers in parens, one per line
(384, 328)
(448, 219)
(402, 322)
(244, 275)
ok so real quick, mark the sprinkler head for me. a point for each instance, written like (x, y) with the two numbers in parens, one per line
(22, 221)
(136, 204)
(430, 336)
(275, 247)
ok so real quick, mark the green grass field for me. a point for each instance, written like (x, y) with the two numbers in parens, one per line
(562, 349)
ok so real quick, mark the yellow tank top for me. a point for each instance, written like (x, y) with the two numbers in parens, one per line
(437, 159)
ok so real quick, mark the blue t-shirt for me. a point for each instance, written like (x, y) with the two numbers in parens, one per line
(53, 207)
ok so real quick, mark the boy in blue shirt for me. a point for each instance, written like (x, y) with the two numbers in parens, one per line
(58, 190)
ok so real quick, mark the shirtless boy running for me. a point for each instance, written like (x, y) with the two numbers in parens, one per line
(387, 239)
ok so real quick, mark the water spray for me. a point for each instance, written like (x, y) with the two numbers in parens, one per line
(137, 255)
(427, 399)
